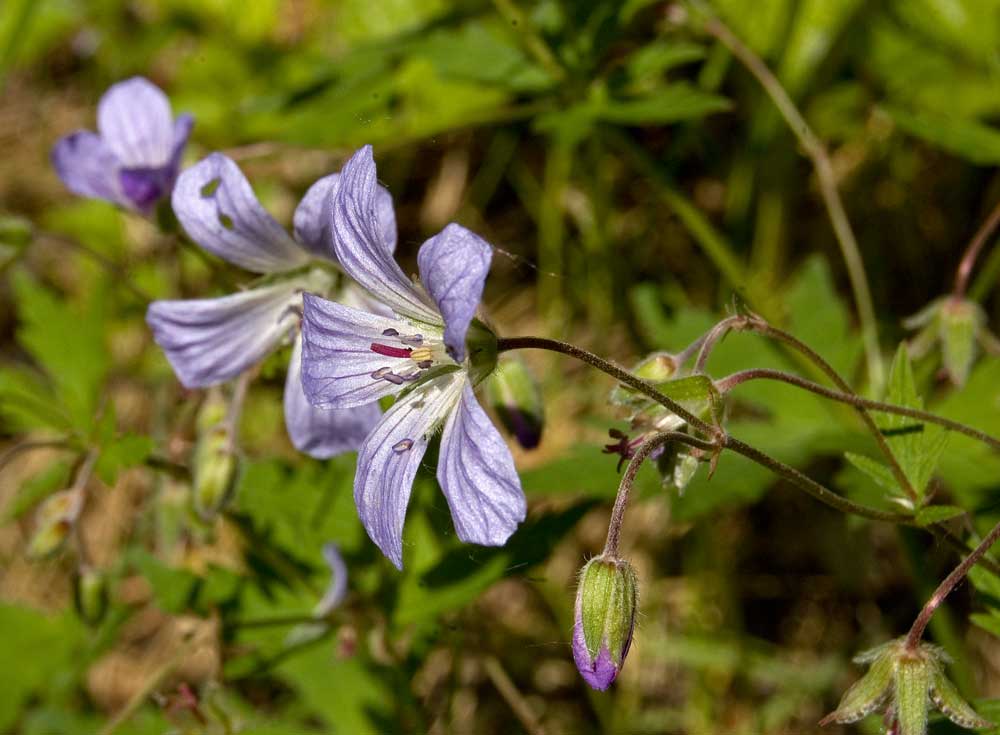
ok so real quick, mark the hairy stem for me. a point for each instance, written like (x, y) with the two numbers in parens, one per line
(946, 586)
(973, 250)
(719, 436)
(628, 479)
(753, 323)
(817, 153)
(724, 385)
(505, 344)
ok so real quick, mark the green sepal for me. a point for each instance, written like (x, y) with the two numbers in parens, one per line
(947, 699)
(868, 693)
(481, 351)
(959, 325)
(912, 682)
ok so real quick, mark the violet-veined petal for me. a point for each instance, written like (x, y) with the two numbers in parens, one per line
(215, 204)
(453, 267)
(312, 217)
(321, 432)
(208, 341)
(390, 457)
(134, 119)
(477, 475)
(88, 167)
(339, 368)
(359, 241)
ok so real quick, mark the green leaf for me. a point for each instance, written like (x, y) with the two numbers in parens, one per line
(917, 446)
(937, 513)
(68, 343)
(974, 141)
(127, 451)
(877, 471)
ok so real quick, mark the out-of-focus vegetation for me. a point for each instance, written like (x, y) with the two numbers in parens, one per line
(636, 181)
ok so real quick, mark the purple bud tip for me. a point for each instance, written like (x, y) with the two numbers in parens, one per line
(597, 672)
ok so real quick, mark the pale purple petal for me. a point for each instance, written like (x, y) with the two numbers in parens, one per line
(453, 266)
(389, 459)
(215, 204)
(322, 432)
(360, 246)
(134, 119)
(88, 167)
(478, 477)
(313, 216)
(338, 363)
(209, 341)
(597, 672)
(337, 590)
(182, 131)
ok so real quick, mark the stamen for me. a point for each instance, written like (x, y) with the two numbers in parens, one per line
(390, 351)
(425, 364)
(416, 340)
(393, 378)
(421, 354)
(403, 446)
(381, 373)
(390, 332)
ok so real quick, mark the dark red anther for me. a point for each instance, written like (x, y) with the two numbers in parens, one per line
(390, 351)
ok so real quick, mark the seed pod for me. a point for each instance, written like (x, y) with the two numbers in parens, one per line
(517, 401)
(606, 603)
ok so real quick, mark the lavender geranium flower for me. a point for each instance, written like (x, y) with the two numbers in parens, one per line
(429, 354)
(134, 159)
(209, 341)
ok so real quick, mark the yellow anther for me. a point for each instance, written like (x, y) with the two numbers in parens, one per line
(421, 354)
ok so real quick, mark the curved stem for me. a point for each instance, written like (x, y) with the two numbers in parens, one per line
(973, 249)
(726, 384)
(628, 479)
(817, 153)
(505, 344)
(946, 586)
(722, 439)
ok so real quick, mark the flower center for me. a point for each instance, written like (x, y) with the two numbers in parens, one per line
(419, 353)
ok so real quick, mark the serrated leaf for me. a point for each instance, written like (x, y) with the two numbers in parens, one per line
(937, 513)
(912, 682)
(878, 472)
(917, 446)
(947, 699)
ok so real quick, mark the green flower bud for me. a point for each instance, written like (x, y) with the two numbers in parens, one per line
(606, 603)
(514, 395)
(54, 520)
(90, 595)
(960, 322)
(214, 465)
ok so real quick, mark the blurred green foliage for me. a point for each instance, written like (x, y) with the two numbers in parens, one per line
(638, 184)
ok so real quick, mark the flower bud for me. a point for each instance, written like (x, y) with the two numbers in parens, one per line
(515, 397)
(960, 324)
(54, 520)
(90, 595)
(606, 602)
(214, 459)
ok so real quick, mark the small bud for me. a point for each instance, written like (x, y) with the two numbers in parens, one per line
(904, 683)
(514, 395)
(214, 458)
(54, 520)
(960, 322)
(656, 368)
(90, 595)
(606, 602)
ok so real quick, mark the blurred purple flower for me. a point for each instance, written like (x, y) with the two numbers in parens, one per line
(209, 341)
(134, 159)
(419, 354)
